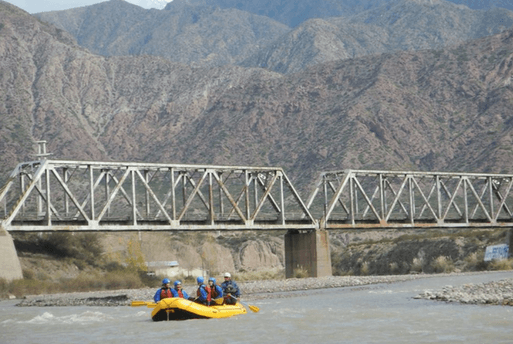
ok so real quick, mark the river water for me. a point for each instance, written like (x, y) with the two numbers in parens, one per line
(382, 313)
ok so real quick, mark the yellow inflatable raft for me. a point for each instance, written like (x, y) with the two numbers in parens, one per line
(182, 309)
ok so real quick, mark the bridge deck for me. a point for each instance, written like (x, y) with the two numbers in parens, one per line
(50, 195)
(398, 199)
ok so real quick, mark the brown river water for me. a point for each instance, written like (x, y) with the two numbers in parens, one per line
(381, 313)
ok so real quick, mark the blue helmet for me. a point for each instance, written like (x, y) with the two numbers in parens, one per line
(177, 282)
(200, 279)
(166, 281)
(212, 279)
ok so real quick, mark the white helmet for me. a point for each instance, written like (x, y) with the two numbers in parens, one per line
(227, 274)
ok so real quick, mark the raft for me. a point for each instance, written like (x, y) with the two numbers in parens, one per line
(183, 309)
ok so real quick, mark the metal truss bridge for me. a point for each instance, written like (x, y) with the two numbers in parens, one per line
(51, 195)
(397, 199)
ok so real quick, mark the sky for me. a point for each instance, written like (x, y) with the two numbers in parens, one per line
(35, 6)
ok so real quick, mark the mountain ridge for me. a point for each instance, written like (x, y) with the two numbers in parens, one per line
(201, 34)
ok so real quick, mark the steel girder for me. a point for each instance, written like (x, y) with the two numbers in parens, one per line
(395, 199)
(49, 195)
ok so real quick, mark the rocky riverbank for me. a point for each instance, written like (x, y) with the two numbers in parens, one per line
(493, 293)
(255, 290)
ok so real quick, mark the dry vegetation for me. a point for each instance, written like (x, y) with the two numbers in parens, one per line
(83, 266)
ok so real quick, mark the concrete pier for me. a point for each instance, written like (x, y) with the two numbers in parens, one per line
(10, 267)
(308, 251)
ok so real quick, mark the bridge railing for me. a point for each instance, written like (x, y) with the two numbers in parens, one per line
(396, 199)
(49, 195)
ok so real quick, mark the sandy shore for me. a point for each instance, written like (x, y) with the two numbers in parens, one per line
(500, 292)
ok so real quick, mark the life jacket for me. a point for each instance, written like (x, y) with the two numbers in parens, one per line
(230, 289)
(207, 289)
(213, 292)
(180, 294)
(165, 293)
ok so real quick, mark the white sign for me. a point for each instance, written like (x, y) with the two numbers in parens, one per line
(498, 252)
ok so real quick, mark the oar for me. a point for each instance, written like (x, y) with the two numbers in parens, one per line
(253, 308)
(149, 304)
(218, 301)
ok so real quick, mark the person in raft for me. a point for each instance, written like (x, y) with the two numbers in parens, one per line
(203, 292)
(178, 291)
(165, 291)
(216, 293)
(230, 289)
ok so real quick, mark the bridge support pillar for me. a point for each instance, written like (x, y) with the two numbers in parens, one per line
(308, 251)
(10, 267)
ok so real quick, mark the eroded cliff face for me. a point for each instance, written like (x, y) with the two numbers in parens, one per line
(258, 254)
(211, 252)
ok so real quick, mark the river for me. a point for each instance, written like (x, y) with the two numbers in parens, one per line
(382, 313)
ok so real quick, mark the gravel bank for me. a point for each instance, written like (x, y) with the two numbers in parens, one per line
(254, 291)
(493, 293)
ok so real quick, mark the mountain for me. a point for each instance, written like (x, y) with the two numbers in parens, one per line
(433, 110)
(401, 25)
(295, 12)
(204, 36)
(291, 13)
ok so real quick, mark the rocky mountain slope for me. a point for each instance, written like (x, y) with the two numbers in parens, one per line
(204, 36)
(208, 33)
(399, 25)
(294, 12)
(291, 13)
(434, 110)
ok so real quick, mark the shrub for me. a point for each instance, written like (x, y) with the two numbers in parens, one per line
(121, 280)
(113, 266)
(300, 273)
(22, 287)
(442, 264)
(270, 274)
(474, 261)
(152, 281)
(417, 265)
(394, 267)
(84, 246)
(98, 281)
(135, 258)
(505, 264)
(28, 274)
(83, 282)
(364, 270)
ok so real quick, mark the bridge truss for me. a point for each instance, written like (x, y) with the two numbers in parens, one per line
(50, 195)
(388, 199)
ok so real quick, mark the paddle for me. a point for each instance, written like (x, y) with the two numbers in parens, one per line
(253, 308)
(148, 304)
(218, 301)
